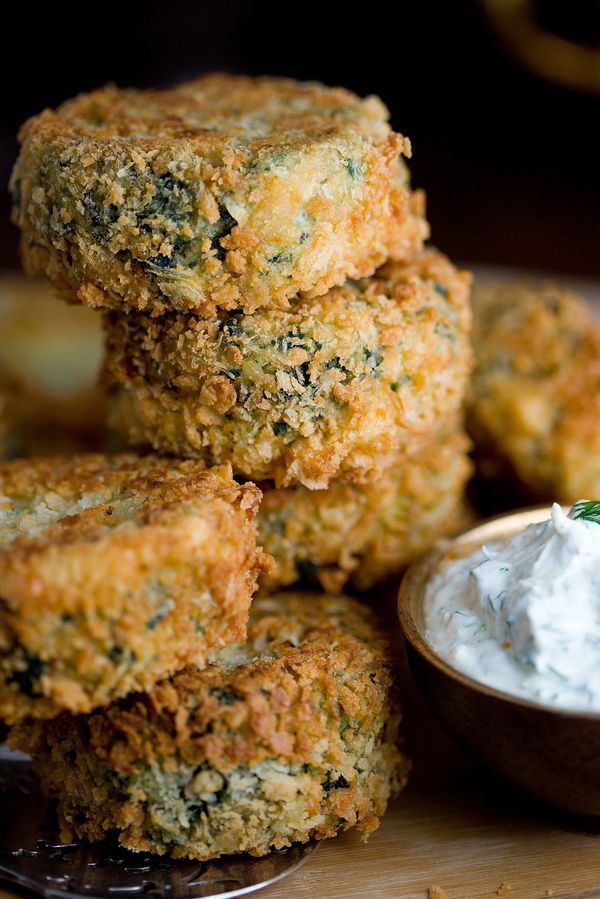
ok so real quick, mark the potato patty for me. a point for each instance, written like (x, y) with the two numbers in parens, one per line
(366, 533)
(225, 192)
(332, 389)
(286, 738)
(116, 571)
(50, 357)
(534, 404)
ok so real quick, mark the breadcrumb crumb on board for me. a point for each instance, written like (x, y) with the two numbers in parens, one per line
(436, 892)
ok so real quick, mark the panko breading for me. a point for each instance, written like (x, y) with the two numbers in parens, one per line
(366, 533)
(289, 737)
(116, 571)
(335, 388)
(534, 404)
(227, 192)
(50, 356)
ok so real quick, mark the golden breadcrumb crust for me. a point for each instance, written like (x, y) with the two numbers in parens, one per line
(535, 397)
(226, 192)
(335, 388)
(289, 737)
(365, 533)
(50, 356)
(115, 571)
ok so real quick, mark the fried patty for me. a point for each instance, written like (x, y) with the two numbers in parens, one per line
(226, 192)
(366, 533)
(534, 406)
(335, 388)
(288, 737)
(50, 356)
(116, 571)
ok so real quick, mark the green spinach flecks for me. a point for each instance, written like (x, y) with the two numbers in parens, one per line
(339, 783)
(374, 358)
(221, 229)
(396, 385)
(27, 678)
(353, 168)
(223, 694)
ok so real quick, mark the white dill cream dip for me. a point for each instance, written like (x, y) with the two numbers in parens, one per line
(523, 615)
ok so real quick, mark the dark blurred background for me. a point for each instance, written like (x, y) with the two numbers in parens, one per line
(501, 100)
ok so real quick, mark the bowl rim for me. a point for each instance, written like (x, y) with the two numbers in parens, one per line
(418, 575)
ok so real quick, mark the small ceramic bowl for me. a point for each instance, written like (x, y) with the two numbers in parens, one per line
(552, 754)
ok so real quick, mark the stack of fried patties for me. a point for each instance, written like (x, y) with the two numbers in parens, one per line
(237, 229)
(269, 310)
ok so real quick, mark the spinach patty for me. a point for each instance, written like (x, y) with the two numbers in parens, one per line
(288, 737)
(222, 193)
(115, 571)
(335, 388)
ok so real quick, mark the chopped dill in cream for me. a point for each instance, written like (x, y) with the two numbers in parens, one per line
(523, 615)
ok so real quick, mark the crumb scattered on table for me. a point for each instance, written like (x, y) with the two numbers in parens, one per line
(436, 892)
(503, 889)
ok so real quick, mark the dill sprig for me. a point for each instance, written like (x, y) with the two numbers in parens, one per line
(588, 510)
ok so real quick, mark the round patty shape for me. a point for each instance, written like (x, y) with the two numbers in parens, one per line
(114, 572)
(534, 404)
(366, 533)
(287, 738)
(225, 192)
(329, 390)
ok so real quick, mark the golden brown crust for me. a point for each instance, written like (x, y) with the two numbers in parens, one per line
(337, 388)
(115, 571)
(365, 533)
(157, 200)
(535, 397)
(288, 737)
